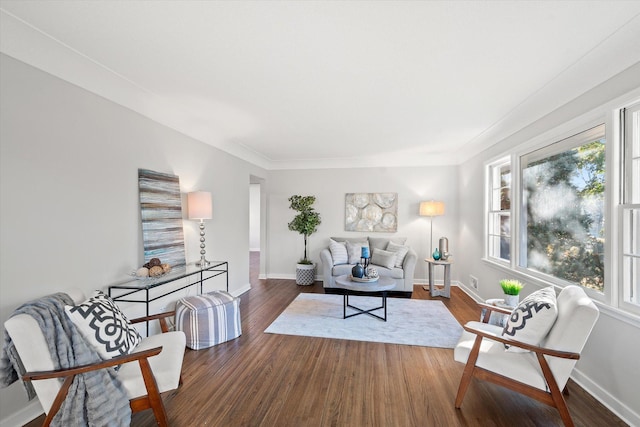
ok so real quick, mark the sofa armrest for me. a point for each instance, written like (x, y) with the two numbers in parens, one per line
(409, 267)
(327, 265)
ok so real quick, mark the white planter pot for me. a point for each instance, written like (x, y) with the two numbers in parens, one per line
(305, 274)
(511, 300)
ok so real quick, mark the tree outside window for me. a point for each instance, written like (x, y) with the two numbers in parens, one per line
(563, 205)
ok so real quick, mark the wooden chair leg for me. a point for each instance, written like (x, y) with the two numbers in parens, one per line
(556, 394)
(155, 400)
(57, 402)
(467, 374)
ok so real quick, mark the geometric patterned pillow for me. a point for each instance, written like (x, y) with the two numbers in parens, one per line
(532, 319)
(104, 326)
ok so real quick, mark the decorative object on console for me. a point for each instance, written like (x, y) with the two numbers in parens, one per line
(306, 222)
(443, 246)
(161, 213)
(511, 289)
(200, 208)
(436, 254)
(371, 212)
(431, 209)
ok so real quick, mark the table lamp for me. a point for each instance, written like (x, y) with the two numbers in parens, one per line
(199, 207)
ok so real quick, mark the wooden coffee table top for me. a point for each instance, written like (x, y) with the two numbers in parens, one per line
(383, 284)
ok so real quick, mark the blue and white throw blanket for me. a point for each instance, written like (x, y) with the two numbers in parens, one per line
(95, 398)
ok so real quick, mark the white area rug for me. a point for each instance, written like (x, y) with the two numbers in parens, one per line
(409, 321)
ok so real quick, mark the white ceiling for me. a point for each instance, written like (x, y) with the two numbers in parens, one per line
(306, 84)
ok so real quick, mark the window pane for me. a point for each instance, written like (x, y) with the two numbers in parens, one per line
(563, 202)
(505, 184)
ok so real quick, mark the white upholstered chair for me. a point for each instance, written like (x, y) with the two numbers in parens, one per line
(154, 366)
(543, 371)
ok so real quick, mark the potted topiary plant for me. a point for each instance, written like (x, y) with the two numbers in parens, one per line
(306, 223)
(511, 289)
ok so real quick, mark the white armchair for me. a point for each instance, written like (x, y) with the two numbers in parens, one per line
(542, 371)
(156, 367)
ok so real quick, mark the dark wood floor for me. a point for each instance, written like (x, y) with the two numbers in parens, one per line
(278, 380)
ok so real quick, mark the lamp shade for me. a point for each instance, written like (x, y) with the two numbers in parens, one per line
(431, 208)
(199, 205)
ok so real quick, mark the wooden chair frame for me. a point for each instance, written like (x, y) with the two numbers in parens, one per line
(152, 400)
(554, 397)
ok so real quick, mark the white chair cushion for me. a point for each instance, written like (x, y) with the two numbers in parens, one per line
(104, 326)
(532, 319)
(166, 366)
(338, 252)
(493, 357)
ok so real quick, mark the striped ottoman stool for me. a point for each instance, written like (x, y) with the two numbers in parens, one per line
(208, 319)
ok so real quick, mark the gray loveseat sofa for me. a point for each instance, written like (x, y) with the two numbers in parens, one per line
(400, 265)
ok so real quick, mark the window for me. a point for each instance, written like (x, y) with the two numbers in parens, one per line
(563, 207)
(630, 225)
(499, 215)
(566, 210)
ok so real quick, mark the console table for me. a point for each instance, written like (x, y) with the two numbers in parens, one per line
(138, 289)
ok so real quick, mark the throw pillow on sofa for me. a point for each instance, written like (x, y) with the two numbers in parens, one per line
(383, 258)
(400, 251)
(338, 251)
(355, 251)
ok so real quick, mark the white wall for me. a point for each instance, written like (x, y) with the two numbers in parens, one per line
(413, 185)
(69, 209)
(254, 217)
(609, 364)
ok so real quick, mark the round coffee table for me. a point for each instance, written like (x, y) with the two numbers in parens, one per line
(380, 287)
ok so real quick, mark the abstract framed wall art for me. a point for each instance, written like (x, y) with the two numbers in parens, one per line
(376, 212)
(161, 213)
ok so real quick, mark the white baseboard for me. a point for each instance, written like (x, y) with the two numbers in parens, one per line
(242, 290)
(627, 414)
(262, 276)
(27, 414)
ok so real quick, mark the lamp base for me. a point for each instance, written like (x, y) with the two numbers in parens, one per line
(203, 263)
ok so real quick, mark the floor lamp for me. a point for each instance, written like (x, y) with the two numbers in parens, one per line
(199, 207)
(431, 209)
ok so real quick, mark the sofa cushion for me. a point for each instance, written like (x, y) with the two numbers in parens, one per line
(339, 253)
(400, 251)
(532, 319)
(382, 242)
(383, 258)
(355, 250)
(339, 270)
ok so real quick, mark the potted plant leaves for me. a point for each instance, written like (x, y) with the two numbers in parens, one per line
(306, 223)
(511, 289)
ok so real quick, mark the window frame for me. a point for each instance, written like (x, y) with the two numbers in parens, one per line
(609, 113)
(491, 169)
